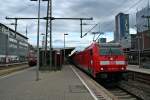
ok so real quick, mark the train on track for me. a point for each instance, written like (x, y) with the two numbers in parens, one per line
(32, 58)
(101, 60)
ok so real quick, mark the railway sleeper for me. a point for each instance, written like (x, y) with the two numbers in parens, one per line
(119, 93)
(126, 97)
(134, 91)
(142, 86)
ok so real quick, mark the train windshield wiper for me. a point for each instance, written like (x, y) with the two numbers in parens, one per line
(110, 51)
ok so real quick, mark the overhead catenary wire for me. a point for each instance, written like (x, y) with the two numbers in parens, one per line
(127, 10)
(98, 36)
(132, 6)
(90, 30)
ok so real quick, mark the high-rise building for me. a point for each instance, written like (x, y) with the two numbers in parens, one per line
(122, 27)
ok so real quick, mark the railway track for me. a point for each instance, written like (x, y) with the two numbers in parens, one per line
(129, 90)
(140, 90)
(99, 92)
(121, 94)
(124, 90)
(118, 91)
(104, 93)
(5, 70)
(139, 76)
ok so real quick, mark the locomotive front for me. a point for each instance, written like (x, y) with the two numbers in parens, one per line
(111, 61)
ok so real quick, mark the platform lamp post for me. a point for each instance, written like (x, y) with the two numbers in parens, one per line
(64, 47)
(38, 30)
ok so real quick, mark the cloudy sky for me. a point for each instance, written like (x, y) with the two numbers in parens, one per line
(103, 12)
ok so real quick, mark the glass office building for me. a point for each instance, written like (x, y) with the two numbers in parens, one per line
(13, 45)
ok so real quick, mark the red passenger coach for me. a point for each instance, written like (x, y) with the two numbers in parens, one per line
(32, 59)
(104, 60)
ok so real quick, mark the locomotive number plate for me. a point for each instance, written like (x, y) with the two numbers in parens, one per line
(112, 62)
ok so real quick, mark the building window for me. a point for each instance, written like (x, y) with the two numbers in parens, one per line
(23, 44)
(12, 40)
(12, 34)
(0, 28)
(11, 45)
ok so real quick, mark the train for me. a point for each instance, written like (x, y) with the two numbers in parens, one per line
(32, 58)
(101, 60)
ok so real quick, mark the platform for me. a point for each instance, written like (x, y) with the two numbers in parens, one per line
(12, 64)
(136, 68)
(55, 85)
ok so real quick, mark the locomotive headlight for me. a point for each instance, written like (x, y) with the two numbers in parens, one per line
(122, 68)
(111, 58)
(120, 62)
(91, 61)
(102, 68)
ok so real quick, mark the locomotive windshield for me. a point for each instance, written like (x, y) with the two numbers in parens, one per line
(110, 51)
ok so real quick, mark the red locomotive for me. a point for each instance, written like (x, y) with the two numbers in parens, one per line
(104, 60)
(32, 59)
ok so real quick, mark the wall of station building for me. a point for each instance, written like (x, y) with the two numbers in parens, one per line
(13, 47)
(144, 40)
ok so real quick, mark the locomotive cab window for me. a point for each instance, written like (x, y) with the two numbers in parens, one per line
(116, 51)
(110, 51)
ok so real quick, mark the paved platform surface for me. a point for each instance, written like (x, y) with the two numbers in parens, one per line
(59, 85)
(137, 69)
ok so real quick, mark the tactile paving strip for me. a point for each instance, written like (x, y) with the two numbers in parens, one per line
(77, 89)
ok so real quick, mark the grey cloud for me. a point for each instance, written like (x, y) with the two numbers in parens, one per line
(102, 11)
(95, 8)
